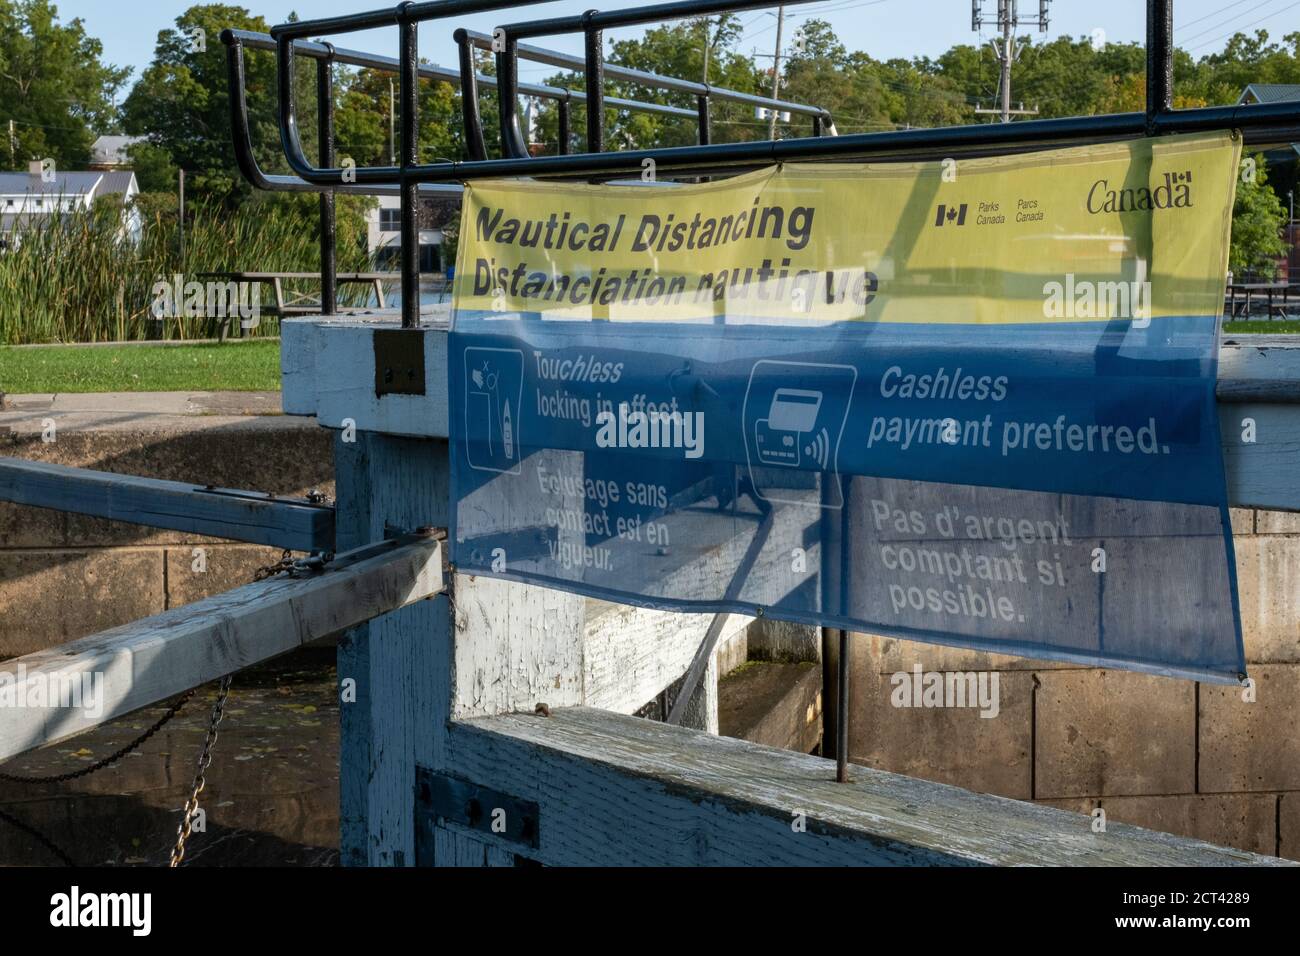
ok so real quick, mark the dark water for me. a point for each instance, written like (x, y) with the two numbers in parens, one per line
(272, 790)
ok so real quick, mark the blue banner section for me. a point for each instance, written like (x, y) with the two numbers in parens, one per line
(1050, 490)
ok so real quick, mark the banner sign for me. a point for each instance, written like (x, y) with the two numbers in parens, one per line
(969, 403)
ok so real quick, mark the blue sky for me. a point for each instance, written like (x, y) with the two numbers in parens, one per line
(883, 28)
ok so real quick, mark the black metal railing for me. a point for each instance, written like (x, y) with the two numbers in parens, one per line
(1258, 122)
(470, 81)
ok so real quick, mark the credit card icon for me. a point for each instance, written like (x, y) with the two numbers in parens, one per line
(794, 410)
(792, 414)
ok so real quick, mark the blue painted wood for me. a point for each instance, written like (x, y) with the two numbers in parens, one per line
(400, 663)
(221, 513)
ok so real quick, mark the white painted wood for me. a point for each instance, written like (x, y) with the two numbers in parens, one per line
(150, 660)
(328, 370)
(630, 654)
(615, 790)
(700, 712)
(516, 646)
(1259, 368)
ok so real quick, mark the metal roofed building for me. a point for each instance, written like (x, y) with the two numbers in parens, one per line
(27, 198)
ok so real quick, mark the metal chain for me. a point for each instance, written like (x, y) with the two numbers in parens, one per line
(111, 758)
(200, 779)
(38, 836)
(286, 565)
(294, 567)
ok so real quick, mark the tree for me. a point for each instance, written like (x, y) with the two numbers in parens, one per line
(53, 85)
(1257, 219)
(363, 120)
(819, 71)
(181, 101)
(674, 49)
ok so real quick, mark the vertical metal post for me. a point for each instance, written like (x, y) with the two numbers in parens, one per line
(513, 143)
(594, 48)
(566, 133)
(325, 143)
(1160, 60)
(409, 87)
(817, 125)
(842, 713)
(705, 123)
(834, 641)
(469, 99)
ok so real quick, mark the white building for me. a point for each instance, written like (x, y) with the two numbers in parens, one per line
(27, 198)
(384, 232)
(110, 152)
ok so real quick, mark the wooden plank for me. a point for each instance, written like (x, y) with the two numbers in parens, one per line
(613, 789)
(222, 513)
(1259, 368)
(1262, 473)
(631, 654)
(329, 372)
(322, 377)
(142, 663)
(401, 662)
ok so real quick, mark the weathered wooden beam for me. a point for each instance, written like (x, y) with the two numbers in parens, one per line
(610, 789)
(126, 668)
(253, 517)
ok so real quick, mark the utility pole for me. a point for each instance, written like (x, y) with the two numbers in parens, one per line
(776, 71)
(1008, 18)
(13, 145)
(706, 51)
(180, 219)
(392, 124)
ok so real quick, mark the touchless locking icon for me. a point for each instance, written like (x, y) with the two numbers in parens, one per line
(793, 431)
(494, 390)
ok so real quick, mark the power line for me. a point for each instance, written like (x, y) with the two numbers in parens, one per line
(1246, 27)
(1223, 23)
(1212, 13)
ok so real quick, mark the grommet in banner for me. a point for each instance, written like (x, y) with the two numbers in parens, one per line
(1234, 134)
(758, 612)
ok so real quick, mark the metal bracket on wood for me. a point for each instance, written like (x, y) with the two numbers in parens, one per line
(399, 362)
(443, 797)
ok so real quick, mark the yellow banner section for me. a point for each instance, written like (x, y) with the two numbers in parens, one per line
(1130, 230)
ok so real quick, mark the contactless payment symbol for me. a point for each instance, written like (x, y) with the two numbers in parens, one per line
(793, 431)
(494, 386)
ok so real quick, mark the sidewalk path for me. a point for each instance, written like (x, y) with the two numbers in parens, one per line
(112, 411)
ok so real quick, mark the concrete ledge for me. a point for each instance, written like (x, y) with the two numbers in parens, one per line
(776, 705)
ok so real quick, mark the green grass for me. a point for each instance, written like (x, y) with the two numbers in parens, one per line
(228, 367)
(1259, 327)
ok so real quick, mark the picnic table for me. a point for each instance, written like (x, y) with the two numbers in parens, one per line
(1274, 291)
